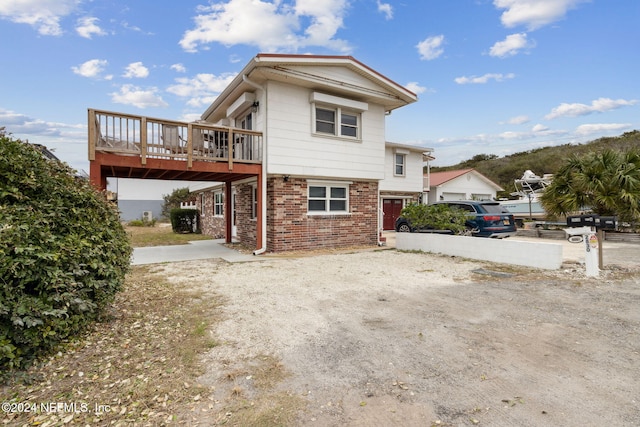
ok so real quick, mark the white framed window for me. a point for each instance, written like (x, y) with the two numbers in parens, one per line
(399, 164)
(337, 116)
(337, 122)
(218, 203)
(202, 204)
(327, 198)
(254, 202)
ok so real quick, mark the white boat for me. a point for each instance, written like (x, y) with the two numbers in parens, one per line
(529, 188)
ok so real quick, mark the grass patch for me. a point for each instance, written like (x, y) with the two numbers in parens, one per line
(137, 367)
(160, 235)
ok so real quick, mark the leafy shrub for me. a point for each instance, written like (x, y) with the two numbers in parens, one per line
(185, 220)
(435, 217)
(142, 223)
(63, 253)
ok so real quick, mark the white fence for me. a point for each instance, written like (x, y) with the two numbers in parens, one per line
(543, 255)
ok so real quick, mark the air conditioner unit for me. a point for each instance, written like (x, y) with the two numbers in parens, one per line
(147, 216)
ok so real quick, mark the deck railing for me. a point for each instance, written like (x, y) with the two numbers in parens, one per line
(147, 137)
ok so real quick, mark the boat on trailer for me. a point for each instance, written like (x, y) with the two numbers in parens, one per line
(526, 204)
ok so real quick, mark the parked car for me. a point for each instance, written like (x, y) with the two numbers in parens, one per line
(485, 219)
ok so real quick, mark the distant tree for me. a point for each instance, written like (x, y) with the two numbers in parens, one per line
(478, 158)
(173, 200)
(608, 182)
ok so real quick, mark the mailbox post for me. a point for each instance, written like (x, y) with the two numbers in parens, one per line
(591, 230)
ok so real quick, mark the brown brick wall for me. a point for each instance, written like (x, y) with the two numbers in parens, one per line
(210, 225)
(290, 228)
(288, 225)
(246, 226)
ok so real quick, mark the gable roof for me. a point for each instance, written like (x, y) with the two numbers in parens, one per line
(439, 178)
(299, 70)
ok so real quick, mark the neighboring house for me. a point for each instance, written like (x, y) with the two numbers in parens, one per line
(328, 170)
(463, 184)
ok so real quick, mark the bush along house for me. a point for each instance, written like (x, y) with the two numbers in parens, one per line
(296, 152)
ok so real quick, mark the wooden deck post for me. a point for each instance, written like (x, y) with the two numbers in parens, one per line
(230, 150)
(189, 145)
(91, 134)
(143, 140)
(95, 176)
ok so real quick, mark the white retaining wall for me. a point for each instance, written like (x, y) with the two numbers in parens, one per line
(505, 251)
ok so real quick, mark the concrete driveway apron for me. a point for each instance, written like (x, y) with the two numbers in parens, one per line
(199, 249)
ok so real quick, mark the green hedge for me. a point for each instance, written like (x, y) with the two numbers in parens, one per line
(185, 220)
(435, 217)
(63, 253)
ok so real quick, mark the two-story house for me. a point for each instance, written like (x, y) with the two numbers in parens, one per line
(328, 173)
(298, 143)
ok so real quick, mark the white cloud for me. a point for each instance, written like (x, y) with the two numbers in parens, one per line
(271, 26)
(386, 9)
(511, 45)
(590, 129)
(17, 123)
(87, 27)
(133, 95)
(431, 47)
(44, 15)
(534, 13)
(539, 128)
(179, 68)
(92, 68)
(201, 89)
(415, 87)
(136, 70)
(599, 105)
(519, 120)
(483, 79)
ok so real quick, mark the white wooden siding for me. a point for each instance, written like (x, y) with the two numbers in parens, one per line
(293, 149)
(412, 181)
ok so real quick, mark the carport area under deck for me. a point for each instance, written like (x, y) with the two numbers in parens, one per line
(128, 146)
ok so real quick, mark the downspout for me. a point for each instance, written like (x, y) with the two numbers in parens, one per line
(380, 216)
(263, 190)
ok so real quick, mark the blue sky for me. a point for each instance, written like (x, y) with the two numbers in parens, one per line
(492, 76)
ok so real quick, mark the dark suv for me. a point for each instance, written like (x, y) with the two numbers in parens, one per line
(486, 219)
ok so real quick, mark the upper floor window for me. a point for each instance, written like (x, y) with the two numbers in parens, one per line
(338, 122)
(328, 198)
(337, 116)
(399, 164)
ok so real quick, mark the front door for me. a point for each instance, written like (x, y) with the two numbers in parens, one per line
(391, 209)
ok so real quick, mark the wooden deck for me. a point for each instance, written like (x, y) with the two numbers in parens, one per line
(130, 146)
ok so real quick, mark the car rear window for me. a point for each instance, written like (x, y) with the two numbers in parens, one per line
(494, 208)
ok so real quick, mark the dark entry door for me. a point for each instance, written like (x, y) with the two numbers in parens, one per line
(391, 210)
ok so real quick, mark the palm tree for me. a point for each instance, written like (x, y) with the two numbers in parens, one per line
(607, 182)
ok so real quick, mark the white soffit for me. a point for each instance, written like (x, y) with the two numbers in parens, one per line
(351, 104)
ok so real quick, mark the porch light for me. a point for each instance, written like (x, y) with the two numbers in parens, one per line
(254, 106)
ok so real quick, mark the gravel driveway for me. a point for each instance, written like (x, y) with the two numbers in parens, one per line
(411, 339)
